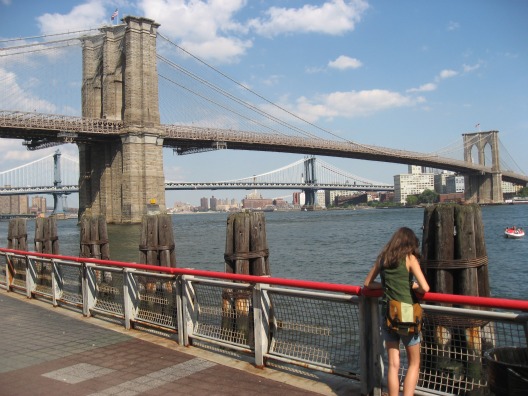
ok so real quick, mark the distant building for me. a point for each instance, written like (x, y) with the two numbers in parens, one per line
(510, 188)
(204, 204)
(320, 200)
(14, 204)
(38, 205)
(331, 195)
(298, 199)
(412, 183)
(212, 203)
(440, 181)
(455, 184)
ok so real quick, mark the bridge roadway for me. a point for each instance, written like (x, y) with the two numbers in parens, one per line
(39, 130)
(60, 352)
(207, 186)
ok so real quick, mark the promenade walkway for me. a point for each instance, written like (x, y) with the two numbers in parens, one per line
(56, 351)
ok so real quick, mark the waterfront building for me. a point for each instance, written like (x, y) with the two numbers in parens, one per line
(38, 205)
(320, 199)
(14, 204)
(331, 195)
(182, 207)
(299, 199)
(440, 181)
(256, 203)
(204, 204)
(413, 183)
(510, 188)
(212, 203)
(455, 184)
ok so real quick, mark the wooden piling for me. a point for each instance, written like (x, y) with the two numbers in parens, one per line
(455, 262)
(17, 234)
(17, 240)
(157, 247)
(157, 241)
(246, 253)
(46, 241)
(94, 242)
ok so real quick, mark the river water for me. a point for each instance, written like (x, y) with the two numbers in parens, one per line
(329, 246)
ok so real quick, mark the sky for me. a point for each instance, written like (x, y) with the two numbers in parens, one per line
(407, 74)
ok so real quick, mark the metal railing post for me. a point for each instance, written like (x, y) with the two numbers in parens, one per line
(10, 272)
(188, 309)
(371, 349)
(89, 289)
(57, 283)
(180, 310)
(31, 277)
(130, 297)
(261, 312)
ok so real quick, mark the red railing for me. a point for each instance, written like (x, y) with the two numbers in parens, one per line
(489, 302)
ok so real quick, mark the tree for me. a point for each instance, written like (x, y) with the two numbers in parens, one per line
(523, 192)
(428, 197)
(411, 200)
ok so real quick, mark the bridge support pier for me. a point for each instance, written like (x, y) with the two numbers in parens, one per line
(120, 177)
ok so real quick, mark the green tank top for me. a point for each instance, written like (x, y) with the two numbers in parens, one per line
(397, 283)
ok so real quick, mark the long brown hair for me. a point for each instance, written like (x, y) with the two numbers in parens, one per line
(402, 243)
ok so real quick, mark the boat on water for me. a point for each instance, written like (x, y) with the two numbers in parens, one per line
(514, 232)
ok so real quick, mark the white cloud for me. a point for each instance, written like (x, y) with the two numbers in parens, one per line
(91, 14)
(344, 62)
(423, 88)
(470, 68)
(452, 25)
(447, 73)
(332, 17)
(205, 28)
(18, 98)
(352, 104)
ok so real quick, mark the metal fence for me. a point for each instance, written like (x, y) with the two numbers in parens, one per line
(327, 327)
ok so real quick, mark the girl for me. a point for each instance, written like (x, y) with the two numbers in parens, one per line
(398, 264)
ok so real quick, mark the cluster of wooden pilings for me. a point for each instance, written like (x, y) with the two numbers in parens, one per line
(455, 261)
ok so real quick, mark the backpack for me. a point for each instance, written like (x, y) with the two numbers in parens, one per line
(404, 318)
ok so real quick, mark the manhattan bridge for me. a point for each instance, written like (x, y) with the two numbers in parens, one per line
(141, 92)
(58, 174)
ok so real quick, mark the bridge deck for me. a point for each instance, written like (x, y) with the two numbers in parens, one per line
(59, 352)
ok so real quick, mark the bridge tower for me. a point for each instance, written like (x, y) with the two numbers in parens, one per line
(310, 178)
(483, 188)
(119, 178)
(58, 208)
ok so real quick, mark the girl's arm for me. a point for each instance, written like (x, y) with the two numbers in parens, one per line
(421, 285)
(370, 282)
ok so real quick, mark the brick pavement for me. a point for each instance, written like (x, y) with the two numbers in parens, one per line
(47, 350)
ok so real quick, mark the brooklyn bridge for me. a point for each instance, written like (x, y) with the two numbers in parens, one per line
(120, 136)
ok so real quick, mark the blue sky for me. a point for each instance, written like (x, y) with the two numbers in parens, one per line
(407, 74)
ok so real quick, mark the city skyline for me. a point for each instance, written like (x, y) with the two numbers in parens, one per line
(410, 75)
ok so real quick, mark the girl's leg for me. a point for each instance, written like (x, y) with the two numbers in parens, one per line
(393, 354)
(411, 378)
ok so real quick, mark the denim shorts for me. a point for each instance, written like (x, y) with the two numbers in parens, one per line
(390, 336)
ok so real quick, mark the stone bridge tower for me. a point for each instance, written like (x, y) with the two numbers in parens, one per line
(483, 188)
(119, 178)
